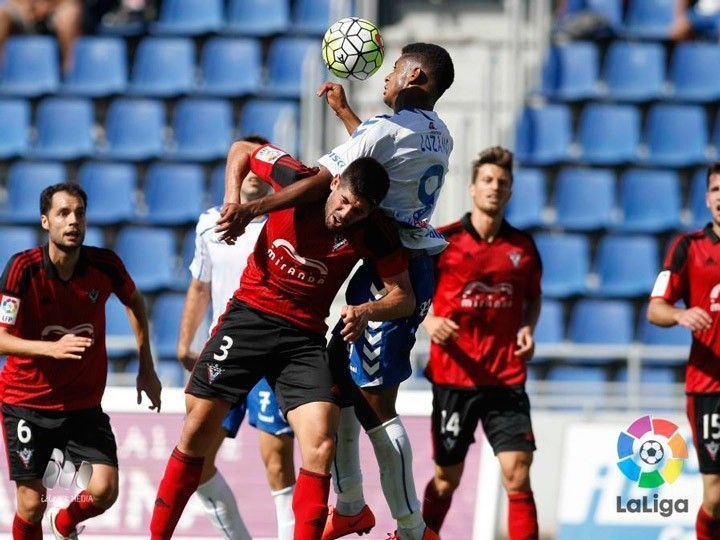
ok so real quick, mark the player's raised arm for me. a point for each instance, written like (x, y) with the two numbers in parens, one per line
(147, 380)
(335, 96)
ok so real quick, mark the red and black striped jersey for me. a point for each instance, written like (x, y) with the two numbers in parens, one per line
(483, 287)
(298, 264)
(35, 304)
(691, 273)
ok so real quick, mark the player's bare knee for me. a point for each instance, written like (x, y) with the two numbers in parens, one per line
(321, 454)
(516, 472)
(31, 505)
(446, 483)
(711, 498)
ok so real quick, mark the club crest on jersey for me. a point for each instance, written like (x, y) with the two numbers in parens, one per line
(285, 258)
(93, 295)
(213, 372)
(712, 448)
(515, 258)
(339, 242)
(25, 456)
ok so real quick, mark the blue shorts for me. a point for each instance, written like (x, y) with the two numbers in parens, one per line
(381, 355)
(263, 410)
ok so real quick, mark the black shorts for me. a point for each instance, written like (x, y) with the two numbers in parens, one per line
(503, 411)
(32, 434)
(703, 411)
(249, 344)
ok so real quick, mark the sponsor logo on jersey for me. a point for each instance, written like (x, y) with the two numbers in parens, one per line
(56, 331)
(285, 258)
(9, 307)
(477, 294)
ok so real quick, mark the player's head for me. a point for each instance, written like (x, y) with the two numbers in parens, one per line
(712, 195)
(422, 68)
(253, 187)
(62, 214)
(355, 193)
(491, 184)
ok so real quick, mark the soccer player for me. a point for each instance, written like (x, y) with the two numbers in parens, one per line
(274, 326)
(414, 145)
(485, 308)
(691, 272)
(52, 329)
(216, 269)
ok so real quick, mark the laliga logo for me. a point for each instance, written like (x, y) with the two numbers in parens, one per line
(651, 452)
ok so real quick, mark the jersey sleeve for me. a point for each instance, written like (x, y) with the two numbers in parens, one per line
(672, 281)
(384, 246)
(277, 167)
(13, 286)
(201, 265)
(123, 285)
(373, 138)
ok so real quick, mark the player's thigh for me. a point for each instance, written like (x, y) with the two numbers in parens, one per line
(453, 423)
(505, 416)
(30, 437)
(703, 412)
(90, 438)
(264, 411)
(235, 357)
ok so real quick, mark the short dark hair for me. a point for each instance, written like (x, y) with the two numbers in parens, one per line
(495, 155)
(712, 169)
(437, 63)
(47, 195)
(257, 139)
(367, 178)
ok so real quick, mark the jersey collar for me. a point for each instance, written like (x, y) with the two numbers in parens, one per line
(468, 226)
(710, 233)
(52, 271)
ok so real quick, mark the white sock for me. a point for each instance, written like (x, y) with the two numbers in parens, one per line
(394, 455)
(284, 512)
(221, 508)
(346, 473)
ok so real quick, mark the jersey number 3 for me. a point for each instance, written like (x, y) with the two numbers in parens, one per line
(227, 342)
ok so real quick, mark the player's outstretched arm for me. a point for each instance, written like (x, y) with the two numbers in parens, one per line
(335, 96)
(397, 302)
(147, 380)
(68, 347)
(197, 301)
(663, 313)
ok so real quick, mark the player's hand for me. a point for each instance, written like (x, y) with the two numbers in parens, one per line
(188, 358)
(69, 347)
(441, 329)
(525, 344)
(335, 96)
(234, 217)
(147, 381)
(694, 319)
(355, 319)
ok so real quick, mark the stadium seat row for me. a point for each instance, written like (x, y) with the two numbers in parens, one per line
(647, 201)
(135, 128)
(674, 135)
(163, 67)
(632, 72)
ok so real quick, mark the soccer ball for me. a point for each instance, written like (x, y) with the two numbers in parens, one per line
(651, 452)
(353, 47)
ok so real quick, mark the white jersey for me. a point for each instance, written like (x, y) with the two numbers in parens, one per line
(414, 147)
(219, 263)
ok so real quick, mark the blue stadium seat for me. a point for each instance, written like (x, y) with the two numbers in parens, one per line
(649, 19)
(277, 121)
(312, 16)
(119, 335)
(135, 129)
(166, 314)
(164, 67)
(543, 135)
(689, 73)
(29, 66)
(258, 17)
(585, 374)
(222, 59)
(626, 265)
(149, 256)
(189, 17)
(635, 71)
(15, 132)
(571, 71)
(94, 237)
(650, 200)
(14, 240)
(609, 134)
(110, 188)
(203, 129)
(566, 263)
(676, 135)
(25, 182)
(286, 66)
(99, 67)
(174, 193)
(651, 334)
(612, 10)
(550, 327)
(601, 322)
(528, 201)
(650, 375)
(699, 212)
(64, 128)
(217, 185)
(574, 189)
